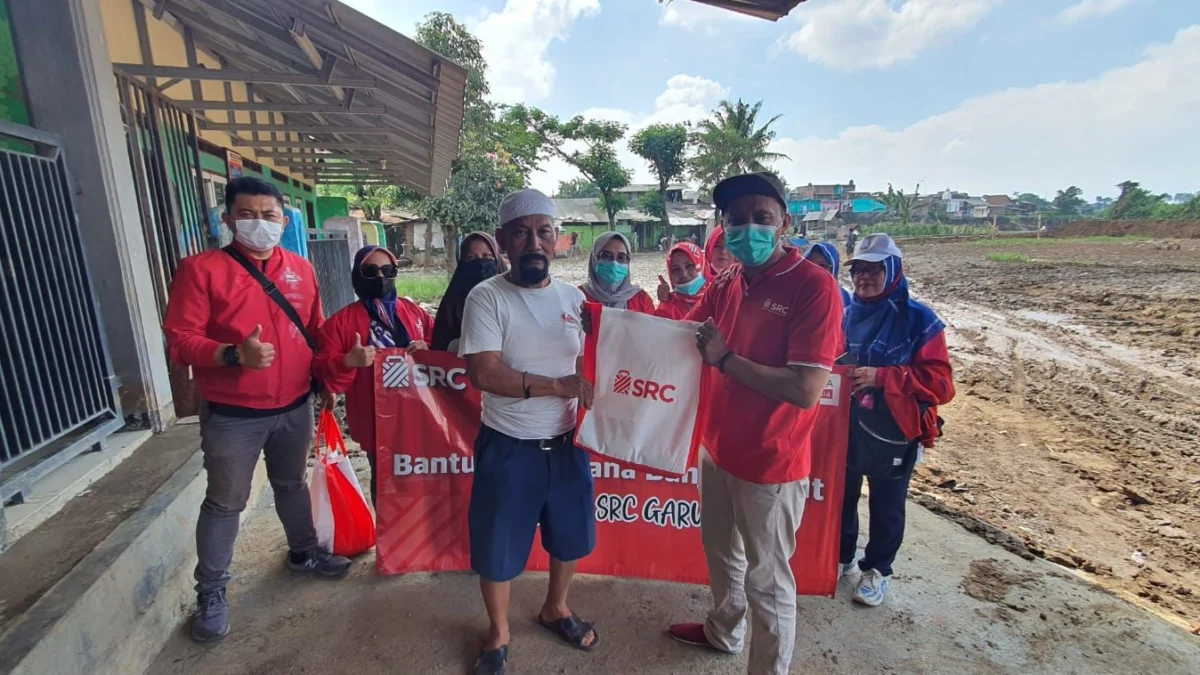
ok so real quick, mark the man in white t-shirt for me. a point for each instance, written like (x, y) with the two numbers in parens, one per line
(522, 341)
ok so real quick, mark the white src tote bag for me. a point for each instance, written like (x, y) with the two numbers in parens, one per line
(646, 373)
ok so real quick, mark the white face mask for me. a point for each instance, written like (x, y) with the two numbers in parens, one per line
(258, 235)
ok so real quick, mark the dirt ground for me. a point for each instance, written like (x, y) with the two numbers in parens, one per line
(1075, 426)
(957, 605)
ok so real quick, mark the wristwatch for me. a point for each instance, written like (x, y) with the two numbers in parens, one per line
(231, 356)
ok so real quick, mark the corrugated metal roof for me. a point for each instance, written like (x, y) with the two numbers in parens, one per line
(421, 92)
(588, 210)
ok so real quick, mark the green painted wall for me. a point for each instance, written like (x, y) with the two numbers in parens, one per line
(331, 207)
(12, 93)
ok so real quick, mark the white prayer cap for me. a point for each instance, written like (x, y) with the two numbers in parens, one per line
(528, 202)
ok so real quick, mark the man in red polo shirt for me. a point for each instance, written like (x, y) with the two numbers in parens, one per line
(772, 330)
(253, 366)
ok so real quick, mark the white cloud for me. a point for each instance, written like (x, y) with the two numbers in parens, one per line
(1088, 9)
(1131, 123)
(689, 89)
(858, 34)
(516, 40)
(687, 98)
(693, 16)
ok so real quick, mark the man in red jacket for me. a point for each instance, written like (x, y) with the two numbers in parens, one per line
(253, 366)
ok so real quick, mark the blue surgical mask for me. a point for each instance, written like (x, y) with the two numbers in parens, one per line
(751, 244)
(692, 287)
(611, 272)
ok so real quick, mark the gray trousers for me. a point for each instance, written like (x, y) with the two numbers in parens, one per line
(749, 534)
(232, 446)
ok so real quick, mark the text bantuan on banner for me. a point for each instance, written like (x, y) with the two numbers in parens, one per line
(647, 526)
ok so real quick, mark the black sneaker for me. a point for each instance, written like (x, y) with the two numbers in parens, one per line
(320, 562)
(211, 621)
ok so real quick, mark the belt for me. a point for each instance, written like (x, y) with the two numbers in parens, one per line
(558, 442)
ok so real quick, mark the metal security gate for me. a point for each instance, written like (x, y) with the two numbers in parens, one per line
(164, 155)
(57, 389)
(329, 253)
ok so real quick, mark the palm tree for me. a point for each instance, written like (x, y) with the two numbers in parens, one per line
(731, 143)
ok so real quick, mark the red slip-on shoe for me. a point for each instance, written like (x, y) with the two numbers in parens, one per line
(691, 634)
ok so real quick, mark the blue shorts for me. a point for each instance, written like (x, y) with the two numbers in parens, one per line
(518, 487)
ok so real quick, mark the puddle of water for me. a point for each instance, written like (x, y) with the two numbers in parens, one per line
(1044, 317)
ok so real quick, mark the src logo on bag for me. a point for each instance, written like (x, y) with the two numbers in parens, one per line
(647, 389)
(398, 373)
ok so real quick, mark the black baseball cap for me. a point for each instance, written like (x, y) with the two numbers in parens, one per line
(762, 183)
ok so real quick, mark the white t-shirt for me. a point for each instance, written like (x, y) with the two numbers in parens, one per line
(536, 331)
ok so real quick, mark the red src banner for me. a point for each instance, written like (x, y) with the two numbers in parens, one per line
(647, 526)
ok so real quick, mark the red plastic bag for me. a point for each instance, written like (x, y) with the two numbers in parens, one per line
(341, 516)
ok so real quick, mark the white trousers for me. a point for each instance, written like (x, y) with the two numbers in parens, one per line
(749, 533)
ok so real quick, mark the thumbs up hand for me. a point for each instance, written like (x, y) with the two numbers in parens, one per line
(254, 353)
(664, 289)
(360, 356)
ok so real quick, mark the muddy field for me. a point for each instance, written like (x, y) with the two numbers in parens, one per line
(1075, 426)
(1075, 430)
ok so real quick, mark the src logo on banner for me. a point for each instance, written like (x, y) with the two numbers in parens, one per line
(627, 385)
(397, 373)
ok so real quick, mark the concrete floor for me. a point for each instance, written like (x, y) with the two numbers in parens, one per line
(1033, 618)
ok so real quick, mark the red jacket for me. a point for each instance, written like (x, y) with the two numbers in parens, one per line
(638, 303)
(337, 338)
(214, 301)
(928, 378)
(676, 306)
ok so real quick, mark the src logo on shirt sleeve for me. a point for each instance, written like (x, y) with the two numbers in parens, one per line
(625, 384)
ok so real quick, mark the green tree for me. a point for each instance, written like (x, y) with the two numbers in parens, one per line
(1135, 202)
(1039, 203)
(900, 205)
(596, 160)
(731, 142)
(577, 188)
(652, 203)
(1068, 202)
(663, 146)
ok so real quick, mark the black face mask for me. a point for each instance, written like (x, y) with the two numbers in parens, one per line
(374, 288)
(475, 271)
(530, 273)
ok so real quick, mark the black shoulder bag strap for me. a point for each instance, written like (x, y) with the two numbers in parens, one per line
(274, 293)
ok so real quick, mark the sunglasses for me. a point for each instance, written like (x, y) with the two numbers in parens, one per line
(866, 270)
(370, 271)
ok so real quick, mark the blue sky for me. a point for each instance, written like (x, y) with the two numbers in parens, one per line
(988, 96)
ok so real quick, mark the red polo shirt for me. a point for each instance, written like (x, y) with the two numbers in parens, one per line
(789, 315)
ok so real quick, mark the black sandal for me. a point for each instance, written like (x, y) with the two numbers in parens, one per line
(490, 661)
(572, 631)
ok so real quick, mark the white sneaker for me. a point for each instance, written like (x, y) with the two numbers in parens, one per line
(847, 570)
(871, 589)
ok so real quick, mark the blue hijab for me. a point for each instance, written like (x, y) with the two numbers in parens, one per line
(386, 329)
(831, 254)
(889, 330)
